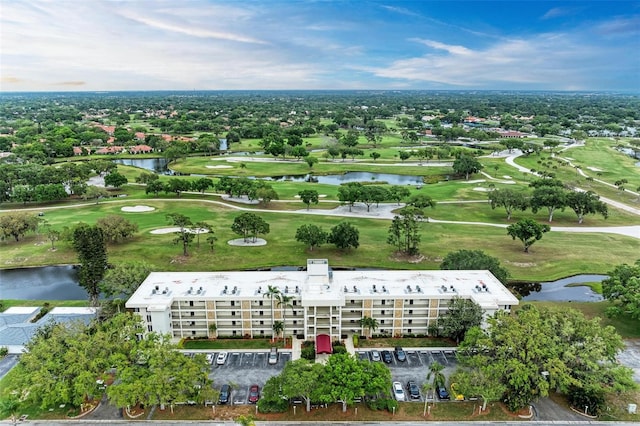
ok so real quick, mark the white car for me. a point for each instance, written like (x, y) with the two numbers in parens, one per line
(222, 358)
(398, 392)
(209, 358)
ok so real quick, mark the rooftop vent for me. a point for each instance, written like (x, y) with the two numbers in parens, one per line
(409, 289)
(259, 289)
(443, 288)
(286, 289)
(346, 290)
(190, 290)
(235, 289)
(225, 289)
(418, 289)
(384, 289)
(297, 289)
(200, 290)
(166, 290)
(375, 290)
(355, 289)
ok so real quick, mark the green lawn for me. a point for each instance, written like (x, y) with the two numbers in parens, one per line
(231, 344)
(409, 342)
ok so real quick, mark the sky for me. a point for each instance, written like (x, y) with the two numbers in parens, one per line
(99, 45)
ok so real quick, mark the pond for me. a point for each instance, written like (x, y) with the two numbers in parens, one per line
(159, 165)
(559, 292)
(42, 283)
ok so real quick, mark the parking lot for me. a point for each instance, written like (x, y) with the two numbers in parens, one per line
(416, 367)
(243, 369)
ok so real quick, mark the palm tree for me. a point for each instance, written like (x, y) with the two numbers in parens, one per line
(435, 370)
(284, 302)
(369, 323)
(272, 291)
(213, 328)
(278, 327)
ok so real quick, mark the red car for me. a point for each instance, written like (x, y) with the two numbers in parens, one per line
(254, 394)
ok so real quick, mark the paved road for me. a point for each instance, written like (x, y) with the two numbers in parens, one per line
(7, 363)
(547, 410)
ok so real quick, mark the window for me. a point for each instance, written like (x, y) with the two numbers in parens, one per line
(353, 302)
(382, 312)
(295, 322)
(190, 302)
(352, 321)
(233, 313)
(411, 302)
(295, 313)
(294, 303)
(410, 321)
(383, 302)
(233, 323)
(234, 333)
(261, 313)
(193, 323)
(410, 311)
(262, 332)
(260, 303)
(150, 328)
(261, 322)
(193, 313)
(193, 332)
(409, 331)
(233, 303)
(148, 318)
(381, 321)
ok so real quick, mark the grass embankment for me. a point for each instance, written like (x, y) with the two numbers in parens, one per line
(9, 303)
(231, 344)
(408, 342)
(407, 411)
(557, 255)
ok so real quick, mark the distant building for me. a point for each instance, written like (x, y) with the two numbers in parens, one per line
(187, 304)
(512, 134)
(140, 149)
(110, 150)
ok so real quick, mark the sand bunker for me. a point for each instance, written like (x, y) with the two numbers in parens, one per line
(138, 209)
(594, 169)
(475, 181)
(506, 177)
(481, 189)
(220, 166)
(251, 243)
(172, 230)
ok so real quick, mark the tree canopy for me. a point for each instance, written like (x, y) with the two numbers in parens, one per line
(622, 289)
(475, 260)
(461, 315)
(344, 236)
(528, 231)
(89, 243)
(539, 349)
(249, 226)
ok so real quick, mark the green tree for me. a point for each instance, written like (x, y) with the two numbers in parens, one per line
(309, 196)
(154, 187)
(461, 315)
(272, 292)
(344, 236)
(368, 323)
(528, 231)
(350, 193)
(343, 379)
(404, 232)
(536, 350)
(249, 225)
(509, 199)
(116, 228)
(551, 197)
(464, 260)
(278, 328)
(622, 289)
(398, 193)
(421, 201)
(300, 378)
(466, 165)
(184, 235)
(586, 202)
(475, 383)
(311, 235)
(436, 375)
(95, 193)
(123, 279)
(177, 186)
(284, 302)
(311, 160)
(404, 155)
(115, 179)
(374, 155)
(89, 243)
(16, 225)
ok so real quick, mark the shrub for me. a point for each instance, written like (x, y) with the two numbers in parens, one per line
(356, 340)
(272, 405)
(383, 404)
(591, 397)
(4, 351)
(308, 350)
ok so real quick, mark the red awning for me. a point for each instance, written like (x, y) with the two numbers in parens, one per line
(323, 344)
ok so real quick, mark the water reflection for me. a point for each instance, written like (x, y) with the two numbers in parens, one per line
(43, 283)
(559, 291)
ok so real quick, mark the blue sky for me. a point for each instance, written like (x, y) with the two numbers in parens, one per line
(229, 45)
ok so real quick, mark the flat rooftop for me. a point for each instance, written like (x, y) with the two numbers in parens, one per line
(161, 288)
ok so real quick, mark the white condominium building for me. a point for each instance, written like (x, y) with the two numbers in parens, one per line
(309, 303)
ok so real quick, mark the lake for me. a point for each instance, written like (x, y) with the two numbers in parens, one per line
(559, 292)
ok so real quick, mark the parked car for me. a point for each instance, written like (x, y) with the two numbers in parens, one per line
(222, 358)
(442, 392)
(398, 392)
(225, 394)
(387, 357)
(209, 358)
(375, 356)
(400, 354)
(414, 391)
(254, 394)
(273, 356)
